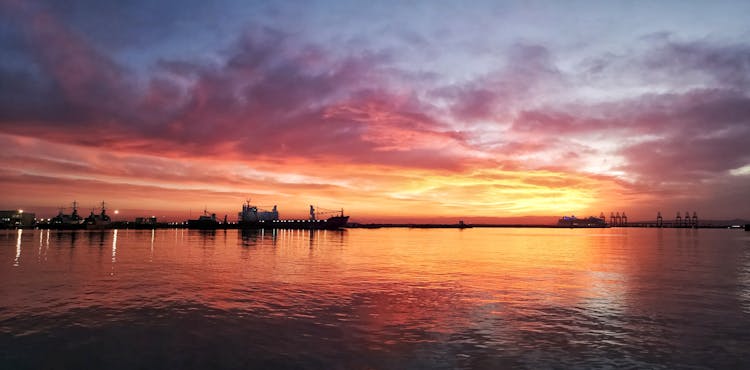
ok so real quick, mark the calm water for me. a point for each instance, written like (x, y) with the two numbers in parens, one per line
(386, 298)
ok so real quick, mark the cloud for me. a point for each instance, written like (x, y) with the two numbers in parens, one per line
(273, 100)
(528, 72)
(726, 65)
(70, 84)
(267, 96)
(697, 136)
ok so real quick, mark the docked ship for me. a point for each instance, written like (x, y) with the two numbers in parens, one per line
(63, 221)
(575, 222)
(205, 221)
(74, 221)
(98, 221)
(252, 217)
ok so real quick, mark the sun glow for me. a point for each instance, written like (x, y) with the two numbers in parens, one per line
(493, 192)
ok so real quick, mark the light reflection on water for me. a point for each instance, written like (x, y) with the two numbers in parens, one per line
(18, 248)
(384, 298)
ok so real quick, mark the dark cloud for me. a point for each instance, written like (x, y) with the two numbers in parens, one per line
(139, 24)
(67, 81)
(691, 137)
(268, 95)
(528, 68)
(696, 136)
(677, 64)
(727, 64)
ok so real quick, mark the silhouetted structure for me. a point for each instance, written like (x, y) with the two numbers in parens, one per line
(617, 219)
(575, 222)
(205, 221)
(620, 219)
(252, 218)
(100, 221)
(16, 219)
(64, 221)
(145, 220)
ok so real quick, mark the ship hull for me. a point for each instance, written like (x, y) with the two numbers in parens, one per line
(331, 223)
(203, 224)
(62, 226)
(99, 226)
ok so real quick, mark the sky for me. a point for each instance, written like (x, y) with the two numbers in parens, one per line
(392, 110)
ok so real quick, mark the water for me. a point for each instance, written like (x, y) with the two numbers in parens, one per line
(384, 298)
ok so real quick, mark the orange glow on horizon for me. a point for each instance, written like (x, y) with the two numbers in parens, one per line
(175, 187)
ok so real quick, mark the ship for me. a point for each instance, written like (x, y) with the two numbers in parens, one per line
(574, 222)
(252, 217)
(205, 221)
(64, 221)
(98, 222)
(74, 221)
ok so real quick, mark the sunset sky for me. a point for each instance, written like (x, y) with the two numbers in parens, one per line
(393, 110)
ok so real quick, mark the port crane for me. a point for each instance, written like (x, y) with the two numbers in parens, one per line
(316, 212)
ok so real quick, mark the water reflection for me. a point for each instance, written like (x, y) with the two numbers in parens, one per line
(41, 244)
(17, 260)
(97, 237)
(744, 278)
(255, 237)
(486, 298)
(70, 236)
(114, 246)
(207, 237)
(151, 252)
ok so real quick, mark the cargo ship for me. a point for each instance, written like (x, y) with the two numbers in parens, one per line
(252, 217)
(205, 221)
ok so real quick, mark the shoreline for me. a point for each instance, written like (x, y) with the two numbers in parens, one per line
(229, 226)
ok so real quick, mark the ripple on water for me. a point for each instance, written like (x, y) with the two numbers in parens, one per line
(479, 298)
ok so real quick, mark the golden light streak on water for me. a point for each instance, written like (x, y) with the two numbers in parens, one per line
(114, 251)
(16, 262)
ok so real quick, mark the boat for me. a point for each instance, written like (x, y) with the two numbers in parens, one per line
(64, 221)
(252, 217)
(98, 222)
(205, 221)
(574, 222)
